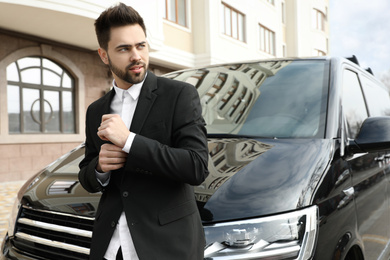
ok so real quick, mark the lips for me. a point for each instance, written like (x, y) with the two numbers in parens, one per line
(136, 69)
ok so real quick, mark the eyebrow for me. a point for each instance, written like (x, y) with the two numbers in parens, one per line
(129, 45)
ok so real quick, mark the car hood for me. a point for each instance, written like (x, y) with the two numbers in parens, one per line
(250, 178)
(57, 188)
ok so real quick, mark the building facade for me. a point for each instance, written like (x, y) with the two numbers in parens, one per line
(50, 71)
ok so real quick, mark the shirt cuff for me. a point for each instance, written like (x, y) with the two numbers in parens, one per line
(129, 142)
(103, 177)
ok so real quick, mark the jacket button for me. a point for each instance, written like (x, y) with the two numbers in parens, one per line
(125, 194)
(113, 224)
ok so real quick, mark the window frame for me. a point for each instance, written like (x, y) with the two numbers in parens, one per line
(79, 103)
(239, 23)
(318, 19)
(166, 14)
(319, 53)
(267, 44)
(42, 89)
(272, 2)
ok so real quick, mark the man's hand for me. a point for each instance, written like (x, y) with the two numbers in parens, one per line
(113, 129)
(111, 157)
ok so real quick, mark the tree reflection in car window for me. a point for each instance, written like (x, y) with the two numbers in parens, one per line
(354, 107)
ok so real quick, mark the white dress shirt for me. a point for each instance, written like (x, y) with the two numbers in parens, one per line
(123, 103)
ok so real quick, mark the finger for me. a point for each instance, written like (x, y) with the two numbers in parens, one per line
(112, 161)
(114, 155)
(108, 164)
(112, 151)
(109, 116)
(110, 147)
(102, 136)
(111, 167)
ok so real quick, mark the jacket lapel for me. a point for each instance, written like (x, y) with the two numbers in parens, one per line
(145, 103)
(106, 106)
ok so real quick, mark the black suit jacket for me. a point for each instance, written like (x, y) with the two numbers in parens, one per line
(169, 154)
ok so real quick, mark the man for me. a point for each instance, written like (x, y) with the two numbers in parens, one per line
(145, 146)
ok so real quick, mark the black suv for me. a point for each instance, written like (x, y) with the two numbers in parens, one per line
(299, 169)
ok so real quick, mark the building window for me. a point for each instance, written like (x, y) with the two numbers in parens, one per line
(318, 53)
(175, 11)
(233, 23)
(40, 97)
(318, 20)
(267, 40)
(283, 8)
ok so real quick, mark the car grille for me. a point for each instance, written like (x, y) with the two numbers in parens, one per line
(53, 235)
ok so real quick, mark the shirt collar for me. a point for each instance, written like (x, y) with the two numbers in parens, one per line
(134, 90)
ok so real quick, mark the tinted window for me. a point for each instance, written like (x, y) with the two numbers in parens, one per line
(291, 103)
(378, 100)
(354, 106)
(280, 99)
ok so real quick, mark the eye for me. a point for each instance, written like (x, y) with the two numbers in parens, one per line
(141, 46)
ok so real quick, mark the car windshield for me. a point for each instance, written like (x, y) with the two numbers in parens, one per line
(273, 99)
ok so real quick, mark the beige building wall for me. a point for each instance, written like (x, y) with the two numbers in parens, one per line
(301, 38)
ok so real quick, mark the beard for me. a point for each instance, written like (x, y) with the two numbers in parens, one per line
(126, 75)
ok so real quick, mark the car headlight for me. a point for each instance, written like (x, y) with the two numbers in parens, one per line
(286, 236)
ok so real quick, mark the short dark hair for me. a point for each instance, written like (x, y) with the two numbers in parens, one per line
(116, 16)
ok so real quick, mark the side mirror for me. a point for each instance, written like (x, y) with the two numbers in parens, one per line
(374, 136)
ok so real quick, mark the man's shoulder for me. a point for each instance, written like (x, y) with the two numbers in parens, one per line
(100, 101)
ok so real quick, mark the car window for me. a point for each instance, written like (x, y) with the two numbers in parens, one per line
(291, 103)
(354, 106)
(378, 99)
(281, 99)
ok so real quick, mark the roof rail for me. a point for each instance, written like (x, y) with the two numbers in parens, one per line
(369, 70)
(353, 59)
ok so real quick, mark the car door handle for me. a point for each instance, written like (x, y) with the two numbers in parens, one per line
(349, 192)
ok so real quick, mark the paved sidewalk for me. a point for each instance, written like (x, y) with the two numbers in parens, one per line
(8, 191)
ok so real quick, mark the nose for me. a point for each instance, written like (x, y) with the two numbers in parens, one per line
(135, 56)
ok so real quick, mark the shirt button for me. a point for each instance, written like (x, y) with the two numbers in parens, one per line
(113, 224)
(125, 194)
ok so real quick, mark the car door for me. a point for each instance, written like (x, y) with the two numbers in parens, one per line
(378, 104)
(370, 186)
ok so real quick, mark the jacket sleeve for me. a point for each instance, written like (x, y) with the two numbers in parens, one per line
(186, 158)
(87, 175)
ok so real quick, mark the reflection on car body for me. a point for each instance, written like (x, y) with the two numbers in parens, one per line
(298, 165)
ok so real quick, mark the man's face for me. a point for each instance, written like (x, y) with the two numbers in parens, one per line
(127, 55)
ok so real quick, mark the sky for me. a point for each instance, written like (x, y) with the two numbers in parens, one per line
(361, 28)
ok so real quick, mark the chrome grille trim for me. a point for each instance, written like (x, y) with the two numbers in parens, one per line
(60, 213)
(57, 228)
(49, 234)
(51, 243)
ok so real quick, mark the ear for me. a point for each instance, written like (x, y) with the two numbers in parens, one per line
(103, 55)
